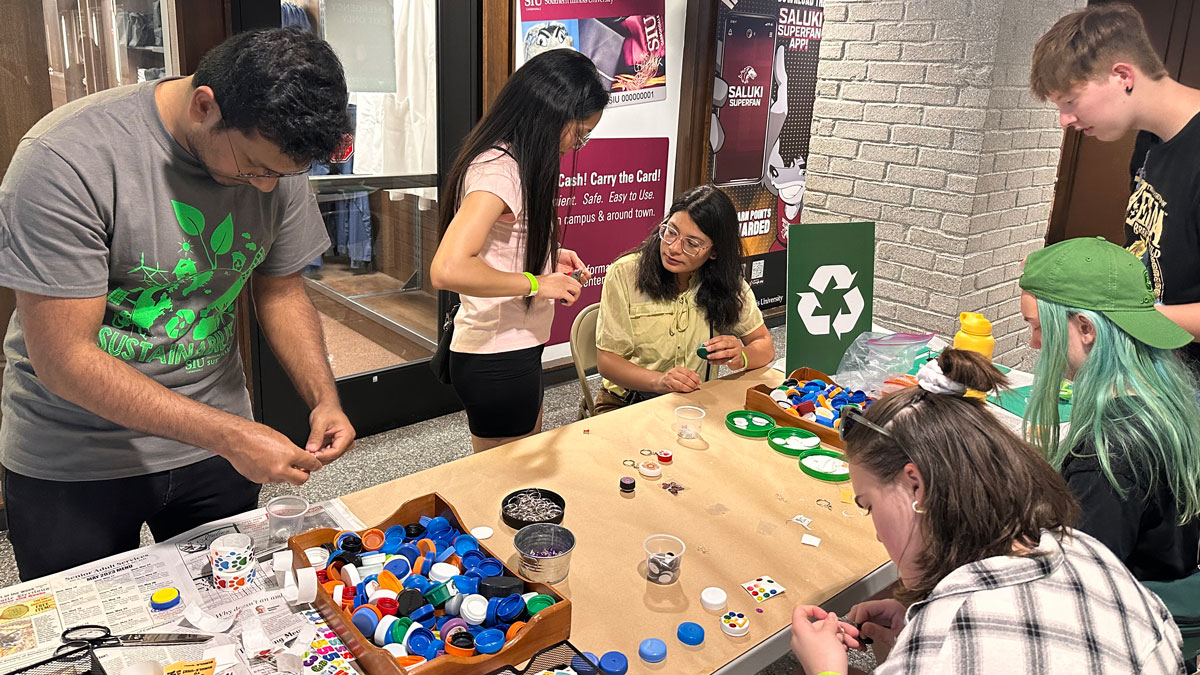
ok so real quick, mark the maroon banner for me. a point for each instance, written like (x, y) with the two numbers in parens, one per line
(533, 10)
(611, 196)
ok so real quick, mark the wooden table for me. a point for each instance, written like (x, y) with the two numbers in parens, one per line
(734, 517)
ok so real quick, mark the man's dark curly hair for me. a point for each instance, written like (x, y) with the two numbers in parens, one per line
(284, 83)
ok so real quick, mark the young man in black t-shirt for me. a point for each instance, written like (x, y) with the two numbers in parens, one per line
(1098, 67)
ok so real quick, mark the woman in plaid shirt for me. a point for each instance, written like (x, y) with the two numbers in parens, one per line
(993, 578)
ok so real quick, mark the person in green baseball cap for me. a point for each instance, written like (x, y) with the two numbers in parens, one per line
(1132, 452)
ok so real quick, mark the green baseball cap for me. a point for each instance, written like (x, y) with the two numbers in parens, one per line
(1093, 273)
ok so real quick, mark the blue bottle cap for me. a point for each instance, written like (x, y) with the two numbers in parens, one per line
(475, 574)
(446, 553)
(472, 558)
(493, 604)
(164, 599)
(419, 639)
(464, 543)
(365, 620)
(510, 608)
(424, 521)
(588, 664)
(614, 663)
(652, 650)
(490, 567)
(436, 526)
(369, 578)
(690, 633)
(399, 567)
(393, 539)
(436, 648)
(464, 584)
(430, 558)
(360, 597)
(409, 552)
(422, 614)
(489, 641)
(418, 582)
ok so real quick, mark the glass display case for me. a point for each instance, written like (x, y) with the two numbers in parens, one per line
(93, 45)
(379, 198)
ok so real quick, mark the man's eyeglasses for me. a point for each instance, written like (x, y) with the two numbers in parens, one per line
(691, 246)
(268, 175)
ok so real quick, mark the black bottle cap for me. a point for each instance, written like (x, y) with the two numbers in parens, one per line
(463, 640)
(414, 530)
(352, 543)
(500, 587)
(348, 558)
(628, 484)
(409, 601)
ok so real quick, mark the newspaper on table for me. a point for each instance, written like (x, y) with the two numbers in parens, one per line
(115, 592)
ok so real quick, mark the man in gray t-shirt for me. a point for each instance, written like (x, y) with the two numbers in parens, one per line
(130, 221)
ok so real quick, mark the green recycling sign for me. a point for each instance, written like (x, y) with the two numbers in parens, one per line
(831, 283)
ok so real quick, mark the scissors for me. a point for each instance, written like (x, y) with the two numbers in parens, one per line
(95, 637)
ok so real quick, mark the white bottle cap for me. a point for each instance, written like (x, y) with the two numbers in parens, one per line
(713, 598)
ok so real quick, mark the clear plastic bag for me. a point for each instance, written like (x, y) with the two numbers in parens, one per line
(874, 358)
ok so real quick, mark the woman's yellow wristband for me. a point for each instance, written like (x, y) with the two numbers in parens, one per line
(533, 284)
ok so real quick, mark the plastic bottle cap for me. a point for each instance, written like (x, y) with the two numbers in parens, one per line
(510, 607)
(650, 469)
(628, 484)
(489, 641)
(383, 632)
(481, 532)
(396, 649)
(423, 613)
(735, 624)
(665, 456)
(366, 620)
(652, 650)
(690, 633)
(164, 598)
(614, 663)
(538, 602)
(473, 609)
(464, 543)
(713, 598)
(441, 572)
(372, 540)
(438, 594)
(588, 664)
(490, 567)
(418, 640)
(500, 587)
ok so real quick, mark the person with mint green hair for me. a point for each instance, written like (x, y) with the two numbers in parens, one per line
(1132, 452)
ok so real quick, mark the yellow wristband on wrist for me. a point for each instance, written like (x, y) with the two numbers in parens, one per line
(829, 672)
(533, 284)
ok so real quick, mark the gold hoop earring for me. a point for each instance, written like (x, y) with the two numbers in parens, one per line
(915, 509)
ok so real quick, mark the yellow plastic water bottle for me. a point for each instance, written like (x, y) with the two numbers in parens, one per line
(975, 334)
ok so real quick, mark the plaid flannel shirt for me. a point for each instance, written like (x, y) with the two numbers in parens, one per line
(1073, 609)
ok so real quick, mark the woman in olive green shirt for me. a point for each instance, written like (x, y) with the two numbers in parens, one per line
(681, 289)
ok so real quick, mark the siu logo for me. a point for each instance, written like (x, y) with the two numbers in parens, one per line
(748, 73)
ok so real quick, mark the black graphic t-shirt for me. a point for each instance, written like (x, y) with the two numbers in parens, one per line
(1162, 223)
(100, 200)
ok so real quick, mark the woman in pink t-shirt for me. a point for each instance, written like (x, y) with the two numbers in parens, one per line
(500, 249)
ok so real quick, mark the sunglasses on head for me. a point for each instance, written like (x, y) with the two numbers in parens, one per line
(853, 416)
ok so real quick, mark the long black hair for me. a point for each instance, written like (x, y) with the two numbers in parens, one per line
(527, 119)
(720, 291)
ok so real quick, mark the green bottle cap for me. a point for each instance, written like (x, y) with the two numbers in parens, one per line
(538, 602)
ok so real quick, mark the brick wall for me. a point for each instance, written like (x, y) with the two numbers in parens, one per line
(924, 123)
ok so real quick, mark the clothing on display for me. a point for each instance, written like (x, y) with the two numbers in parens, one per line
(346, 212)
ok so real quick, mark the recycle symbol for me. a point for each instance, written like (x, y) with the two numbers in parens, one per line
(819, 324)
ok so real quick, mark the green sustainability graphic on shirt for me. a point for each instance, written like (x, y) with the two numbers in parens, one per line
(183, 315)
